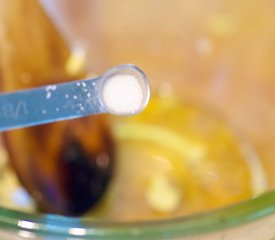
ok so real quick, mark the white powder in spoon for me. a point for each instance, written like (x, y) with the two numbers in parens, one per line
(123, 94)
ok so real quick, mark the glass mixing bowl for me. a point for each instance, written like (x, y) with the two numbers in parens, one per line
(219, 53)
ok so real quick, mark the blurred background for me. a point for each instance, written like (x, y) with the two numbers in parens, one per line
(219, 53)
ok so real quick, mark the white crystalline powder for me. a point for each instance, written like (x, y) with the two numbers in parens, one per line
(123, 94)
(48, 95)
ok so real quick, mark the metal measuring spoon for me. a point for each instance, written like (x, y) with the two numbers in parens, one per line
(123, 90)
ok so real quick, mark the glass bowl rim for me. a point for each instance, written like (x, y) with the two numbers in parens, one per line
(61, 226)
